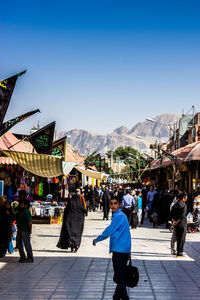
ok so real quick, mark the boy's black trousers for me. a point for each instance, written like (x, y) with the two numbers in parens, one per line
(119, 263)
(180, 234)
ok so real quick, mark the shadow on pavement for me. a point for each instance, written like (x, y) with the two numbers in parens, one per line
(48, 235)
(74, 277)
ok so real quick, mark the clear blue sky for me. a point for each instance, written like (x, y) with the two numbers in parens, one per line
(98, 64)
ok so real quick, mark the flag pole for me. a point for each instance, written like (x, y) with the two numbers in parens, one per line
(65, 153)
(26, 138)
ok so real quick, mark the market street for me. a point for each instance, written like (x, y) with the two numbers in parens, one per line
(88, 274)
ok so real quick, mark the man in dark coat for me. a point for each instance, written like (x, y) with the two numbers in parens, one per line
(92, 198)
(179, 220)
(106, 203)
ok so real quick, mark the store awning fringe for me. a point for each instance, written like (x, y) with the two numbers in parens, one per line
(92, 174)
(40, 164)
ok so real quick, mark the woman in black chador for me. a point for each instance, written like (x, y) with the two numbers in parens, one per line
(73, 223)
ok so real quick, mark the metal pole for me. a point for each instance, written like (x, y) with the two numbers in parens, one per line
(18, 142)
(65, 154)
(111, 159)
(139, 169)
(174, 136)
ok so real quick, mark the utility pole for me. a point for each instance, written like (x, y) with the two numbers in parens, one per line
(118, 166)
(111, 159)
(100, 162)
(139, 167)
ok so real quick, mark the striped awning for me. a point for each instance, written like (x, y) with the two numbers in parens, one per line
(40, 164)
(92, 174)
(67, 167)
(5, 160)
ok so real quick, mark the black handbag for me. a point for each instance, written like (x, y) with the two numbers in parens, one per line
(131, 276)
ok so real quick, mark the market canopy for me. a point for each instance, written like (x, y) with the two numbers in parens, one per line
(40, 164)
(92, 174)
(181, 155)
(67, 166)
(194, 154)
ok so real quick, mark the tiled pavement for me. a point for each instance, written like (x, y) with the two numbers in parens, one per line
(58, 274)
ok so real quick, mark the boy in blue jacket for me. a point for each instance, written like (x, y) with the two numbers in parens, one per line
(120, 246)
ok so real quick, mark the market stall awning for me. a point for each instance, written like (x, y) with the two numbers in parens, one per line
(5, 160)
(41, 164)
(92, 174)
(8, 140)
(194, 154)
(181, 155)
(67, 166)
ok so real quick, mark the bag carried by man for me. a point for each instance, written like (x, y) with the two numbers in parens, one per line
(131, 275)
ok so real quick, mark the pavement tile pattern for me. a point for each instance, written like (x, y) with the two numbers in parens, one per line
(60, 274)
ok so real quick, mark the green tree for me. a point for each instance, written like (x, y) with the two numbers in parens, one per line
(128, 154)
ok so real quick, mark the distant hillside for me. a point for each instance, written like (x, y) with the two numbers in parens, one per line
(86, 142)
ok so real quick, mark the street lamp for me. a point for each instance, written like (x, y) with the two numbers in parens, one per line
(154, 121)
(142, 138)
(139, 137)
(172, 127)
(151, 120)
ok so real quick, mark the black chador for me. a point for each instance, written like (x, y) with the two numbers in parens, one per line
(73, 224)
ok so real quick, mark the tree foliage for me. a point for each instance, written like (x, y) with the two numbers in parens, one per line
(128, 154)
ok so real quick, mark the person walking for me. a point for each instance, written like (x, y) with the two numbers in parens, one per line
(134, 213)
(92, 198)
(87, 197)
(100, 196)
(24, 229)
(196, 208)
(128, 204)
(174, 237)
(179, 220)
(151, 197)
(106, 203)
(120, 246)
(5, 226)
(139, 213)
(73, 224)
(144, 203)
(97, 198)
(81, 196)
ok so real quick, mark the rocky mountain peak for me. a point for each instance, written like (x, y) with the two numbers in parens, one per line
(121, 130)
(87, 142)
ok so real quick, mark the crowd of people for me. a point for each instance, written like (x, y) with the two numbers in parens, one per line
(137, 203)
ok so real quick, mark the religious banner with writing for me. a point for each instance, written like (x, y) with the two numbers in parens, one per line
(9, 124)
(90, 160)
(58, 148)
(96, 160)
(42, 140)
(6, 89)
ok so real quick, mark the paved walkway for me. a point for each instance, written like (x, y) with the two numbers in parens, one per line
(57, 274)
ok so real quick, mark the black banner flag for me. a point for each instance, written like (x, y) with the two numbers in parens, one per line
(42, 140)
(59, 147)
(9, 124)
(6, 90)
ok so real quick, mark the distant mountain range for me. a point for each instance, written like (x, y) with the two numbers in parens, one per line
(86, 142)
